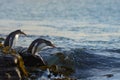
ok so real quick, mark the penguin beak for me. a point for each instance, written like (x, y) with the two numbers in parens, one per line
(53, 45)
(23, 33)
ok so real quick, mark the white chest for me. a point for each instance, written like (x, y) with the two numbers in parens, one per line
(38, 48)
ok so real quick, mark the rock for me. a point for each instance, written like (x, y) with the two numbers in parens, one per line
(60, 59)
(8, 67)
(58, 63)
(108, 75)
(11, 73)
(8, 61)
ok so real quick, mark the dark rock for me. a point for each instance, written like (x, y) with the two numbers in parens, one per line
(11, 73)
(8, 67)
(108, 75)
(8, 61)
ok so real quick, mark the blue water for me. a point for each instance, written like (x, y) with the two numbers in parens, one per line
(89, 30)
(94, 11)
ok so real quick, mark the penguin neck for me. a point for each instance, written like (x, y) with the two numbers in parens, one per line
(11, 40)
(37, 47)
(15, 40)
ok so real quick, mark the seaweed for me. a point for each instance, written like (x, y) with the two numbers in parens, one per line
(56, 69)
(7, 50)
(63, 70)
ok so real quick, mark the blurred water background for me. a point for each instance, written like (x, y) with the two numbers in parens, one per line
(72, 25)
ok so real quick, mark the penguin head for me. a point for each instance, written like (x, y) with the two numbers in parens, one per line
(38, 44)
(19, 32)
(48, 43)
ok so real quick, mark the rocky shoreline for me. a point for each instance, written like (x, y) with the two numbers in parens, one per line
(15, 65)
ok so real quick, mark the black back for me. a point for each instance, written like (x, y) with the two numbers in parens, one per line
(38, 41)
(10, 38)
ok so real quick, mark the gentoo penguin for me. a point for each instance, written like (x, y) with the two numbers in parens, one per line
(12, 37)
(30, 57)
(9, 42)
(38, 44)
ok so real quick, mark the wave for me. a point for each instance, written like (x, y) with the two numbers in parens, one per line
(85, 61)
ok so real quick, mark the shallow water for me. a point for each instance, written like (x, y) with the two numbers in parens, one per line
(88, 31)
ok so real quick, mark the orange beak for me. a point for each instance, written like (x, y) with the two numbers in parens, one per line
(53, 46)
(23, 33)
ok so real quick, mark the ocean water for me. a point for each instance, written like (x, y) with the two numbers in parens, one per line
(86, 30)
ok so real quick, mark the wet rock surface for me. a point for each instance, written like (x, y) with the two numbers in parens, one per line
(9, 67)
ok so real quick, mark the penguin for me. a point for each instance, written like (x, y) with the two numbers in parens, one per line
(30, 56)
(12, 37)
(37, 45)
